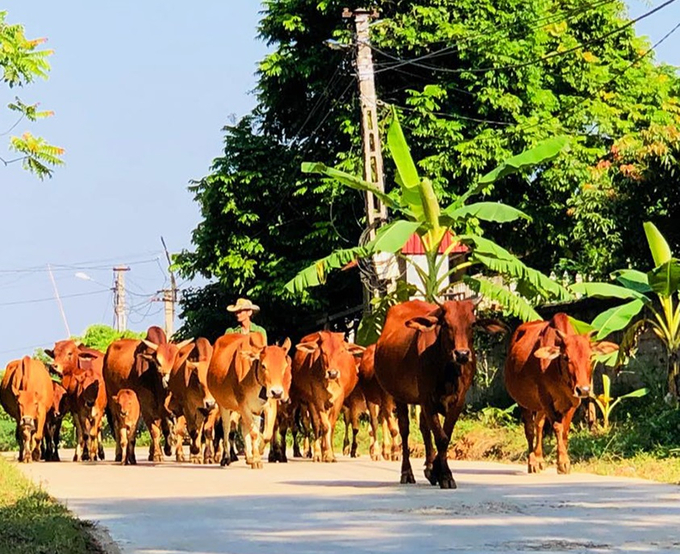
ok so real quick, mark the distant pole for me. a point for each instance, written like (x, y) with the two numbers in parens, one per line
(169, 296)
(169, 306)
(56, 295)
(119, 297)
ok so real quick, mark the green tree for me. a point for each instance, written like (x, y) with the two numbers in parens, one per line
(23, 61)
(99, 336)
(474, 82)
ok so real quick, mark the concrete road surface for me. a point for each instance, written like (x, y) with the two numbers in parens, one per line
(356, 506)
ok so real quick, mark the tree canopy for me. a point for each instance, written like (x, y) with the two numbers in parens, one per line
(474, 81)
(22, 61)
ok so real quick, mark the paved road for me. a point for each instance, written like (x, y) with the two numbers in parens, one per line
(356, 506)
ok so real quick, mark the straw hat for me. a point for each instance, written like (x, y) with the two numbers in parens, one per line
(243, 304)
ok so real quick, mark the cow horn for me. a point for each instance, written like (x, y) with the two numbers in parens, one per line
(184, 343)
(150, 344)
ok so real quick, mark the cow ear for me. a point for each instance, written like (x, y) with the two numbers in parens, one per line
(547, 352)
(307, 347)
(189, 368)
(257, 340)
(151, 345)
(356, 350)
(49, 352)
(422, 323)
(493, 326)
(286, 345)
(604, 347)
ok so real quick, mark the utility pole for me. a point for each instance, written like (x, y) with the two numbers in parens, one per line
(169, 296)
(376, 212)
(373, 161)
(119, 297)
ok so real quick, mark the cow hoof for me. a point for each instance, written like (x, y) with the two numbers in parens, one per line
(167, 449)
(407, 477)
(448, 483)
(179, 457)
(375, 458)
(395, 457)
(563, 468)
(256, 465)
(133, 461)
(196, 460)
(225, 461)
(101, 454)
(354, 454)
(208, 460)
(118, 458)
(157, 458)
(233, 457)
(316, 458)
(297, 453)
(345, 451)
(431, 476)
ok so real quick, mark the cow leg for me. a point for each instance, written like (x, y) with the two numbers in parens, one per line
(226, 425)
(56, 438)
(373, 449)
(179, 431)
(123, 436)
(166, 427)
(529, 419)
(562, 437)
(404, 424)
(155, 452)
(132, 441)
(78, 455)
(355, 414)
(394, 435)
(326, 431)
(100, 445)
(209, 436)
(431, 474)
(250, 425)
(345, 439)
(538, 446)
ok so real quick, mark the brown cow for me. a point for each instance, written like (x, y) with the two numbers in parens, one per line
(88, 405)
(55, 416)
(324, 374)
(425, 356)
(70, 359)
(381, 408)
(190, 400)
(249, 377)
(125, 412)
(144, 366)
(547, 372)
(26, 395)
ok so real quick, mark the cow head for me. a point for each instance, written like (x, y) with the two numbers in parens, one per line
(65, 356)
(59, 400)
(125, 404)
(334, 353)
(453, 324)
(248, 354)
(273, 371)
(573, 355)
(163, 357)
(195, 368)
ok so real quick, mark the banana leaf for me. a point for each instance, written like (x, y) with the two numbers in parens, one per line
(665, 279)
(661, 252)
(616, 318)
(511, 303)
(633, 279)
(487, 211)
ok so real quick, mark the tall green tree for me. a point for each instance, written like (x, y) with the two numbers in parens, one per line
(22, 61)
(474, 81)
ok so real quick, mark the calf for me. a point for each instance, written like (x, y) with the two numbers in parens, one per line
(53, 421)
(548, 371)
(89, 406)
(125, 411)
(26, 395)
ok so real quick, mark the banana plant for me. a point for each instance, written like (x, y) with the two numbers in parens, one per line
(606, 403)
(416, 208)
(655, 294)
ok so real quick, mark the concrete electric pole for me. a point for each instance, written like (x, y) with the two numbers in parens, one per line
(169, 296)
(119, 297)
(373, 161)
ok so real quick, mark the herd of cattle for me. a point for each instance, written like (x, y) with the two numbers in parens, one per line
(197, 391)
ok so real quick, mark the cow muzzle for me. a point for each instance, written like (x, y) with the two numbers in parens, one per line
(332, 374)
(276, 393)
(209, 404)
(165, 380)
(582, 391)
(461, 356)
(28, 423)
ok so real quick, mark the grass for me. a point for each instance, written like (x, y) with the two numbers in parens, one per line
(31, 522)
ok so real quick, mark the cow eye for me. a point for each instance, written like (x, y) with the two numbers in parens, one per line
(565, 357)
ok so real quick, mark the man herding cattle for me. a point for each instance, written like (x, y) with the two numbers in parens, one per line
(244, 309)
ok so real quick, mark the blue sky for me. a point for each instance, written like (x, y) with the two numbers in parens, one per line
(141, 91)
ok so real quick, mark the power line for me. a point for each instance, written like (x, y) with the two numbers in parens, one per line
(521, 65)
(71, 267)
(51, 298)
